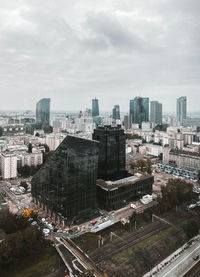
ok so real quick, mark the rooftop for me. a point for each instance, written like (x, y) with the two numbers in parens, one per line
(122, 182)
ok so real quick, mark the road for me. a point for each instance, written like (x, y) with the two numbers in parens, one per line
(179, 266)
(194, 271)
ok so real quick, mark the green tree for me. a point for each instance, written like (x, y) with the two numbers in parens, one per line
(24, 185)
(191, 228)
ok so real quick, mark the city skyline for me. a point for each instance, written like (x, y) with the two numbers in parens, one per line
(108, 50)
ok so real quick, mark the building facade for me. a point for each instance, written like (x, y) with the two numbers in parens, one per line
(182, 158)
(116, 112)
(156, 112)
(112, 151)
(43, 114)
(66, 182)
(32, 159)
(117, 194)
(8, 164)
(181, 109)
(139, 110)
(95, 107)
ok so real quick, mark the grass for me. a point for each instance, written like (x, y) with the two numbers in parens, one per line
(87, 242)
(40, 266)
(130, 252)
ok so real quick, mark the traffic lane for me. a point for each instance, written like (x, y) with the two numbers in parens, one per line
(179, 266)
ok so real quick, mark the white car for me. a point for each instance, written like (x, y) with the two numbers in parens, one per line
(133, 206)
(46, 231)
(34, 223)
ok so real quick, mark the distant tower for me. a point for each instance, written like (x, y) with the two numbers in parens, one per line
(116, 112)
(95, 107)
(181, 108)
(43, 113)
(156, 112)
(112, 154)
(139, 110)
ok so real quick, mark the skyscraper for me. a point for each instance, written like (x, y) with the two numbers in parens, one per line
(116, 112)
(111, 151)
(66, 182)
(95, 107)
(156, 112)
(139, 110)
(43, 113)
(181, 108)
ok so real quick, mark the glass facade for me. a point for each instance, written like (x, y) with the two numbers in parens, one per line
(66, 183)
(139, 110)
(43, 113)
(95, 107)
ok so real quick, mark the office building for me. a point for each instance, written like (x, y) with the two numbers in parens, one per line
(95, 107)
(65, 185)
(113, 195)
(126, 122)
(111, 151)
(139, 110)
(43, 114)
(116, 112)
(8, 164)
(156, 112)
(181, 109)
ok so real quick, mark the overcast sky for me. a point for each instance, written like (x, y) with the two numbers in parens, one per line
(72, 51)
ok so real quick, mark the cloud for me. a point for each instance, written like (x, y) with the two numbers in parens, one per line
(111, 49)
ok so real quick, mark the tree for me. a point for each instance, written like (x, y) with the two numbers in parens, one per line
(149, 166)
(191, 228)
(176, 192)
(141, 165)
(24, 185)
(30, 148)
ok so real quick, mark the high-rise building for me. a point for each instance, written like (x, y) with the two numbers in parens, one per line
(116, 112)
(66, 182)
(181, 108)
(111, 151)
(8, 164)
(156, 112)
(126, 122)
(43, 113)
(139, 110)
(95, 107)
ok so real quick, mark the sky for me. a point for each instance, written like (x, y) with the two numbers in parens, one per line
(115, 50)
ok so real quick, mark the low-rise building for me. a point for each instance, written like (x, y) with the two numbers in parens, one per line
(113, 195)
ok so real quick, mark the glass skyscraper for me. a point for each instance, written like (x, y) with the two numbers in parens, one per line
(156, 112)
(139, 110)
(43, 113)
(116, 112)
(95, 107)
(181, 108)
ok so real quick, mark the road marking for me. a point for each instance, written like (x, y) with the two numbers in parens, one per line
(181, 261)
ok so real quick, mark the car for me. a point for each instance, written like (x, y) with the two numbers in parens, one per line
(133, 206)
(196, 257)
(46, 231)
(34, 223)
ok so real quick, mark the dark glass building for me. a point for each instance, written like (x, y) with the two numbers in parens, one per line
(95, 107)
(139, 110)
(111, 151)
(116, 112)
(66, 183)
(43, 113)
